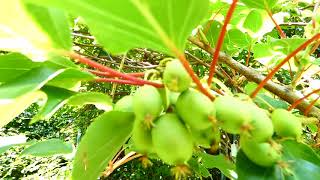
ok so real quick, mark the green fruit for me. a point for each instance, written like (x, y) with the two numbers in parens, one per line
(172, 141)
(175, 77)
(174, 97)
(263, 154)
(195, 109)
(286, 124)
(232, 114)
(205, 138)
(125, 104)
(260, 127)
(147, 104)
(141, 137)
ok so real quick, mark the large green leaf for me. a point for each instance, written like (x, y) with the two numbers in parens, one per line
(220, 162)
(7, 142)
(35, 33)
(54, 23)
(122, 25)
(57, 97)
(13, 65)
(48, 148)
(9, 110)
(103, 139)
(29, 81)
(247, 170)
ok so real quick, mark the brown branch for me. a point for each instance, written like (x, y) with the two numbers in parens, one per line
(281, 91)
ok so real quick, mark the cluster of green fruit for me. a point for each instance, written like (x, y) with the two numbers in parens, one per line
(256, 127)
(173, 120)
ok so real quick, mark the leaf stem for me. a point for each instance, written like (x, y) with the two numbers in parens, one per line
(297, 102)
(282, 34)
(220, 40)
(276, 69)
(306, 112)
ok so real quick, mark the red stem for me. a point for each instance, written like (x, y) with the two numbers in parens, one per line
(282, 34)
(107, 74)
(111, 71)
(220, 41)
(273, 72)
(306, 112)
(193, 76)
(297, 102)
(119, 81)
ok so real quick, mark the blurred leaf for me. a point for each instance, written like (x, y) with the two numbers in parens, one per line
(48, 148)
(29, 81)
(254, 21)
(13, 65)
(131, 24)
(101, 142)
(46, 30)
(57, 97)
(11, 109)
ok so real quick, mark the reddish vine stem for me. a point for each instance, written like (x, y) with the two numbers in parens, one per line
(220, 41)
(107, 74)
(248, 56)
(297, 102)
(277, 68)
(131, 79)
(308, 109)
(282, 34)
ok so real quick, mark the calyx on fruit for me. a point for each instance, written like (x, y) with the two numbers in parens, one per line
(196, 109)
(171, 140)
(147, 104)
(175, 77)
(286, 124)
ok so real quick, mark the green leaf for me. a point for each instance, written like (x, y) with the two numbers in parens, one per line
(54, 23)
(247, 170)
(48, 148)
(71, 79)
(13, 65)
(254, 21)
(98, 146)
(11, 109)
(220, 162)
(57, 97)
(260, 4)
(137, 23)
(47, 29)
(29, 81)
(238, 38)
(100, 100)
(294, 150)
